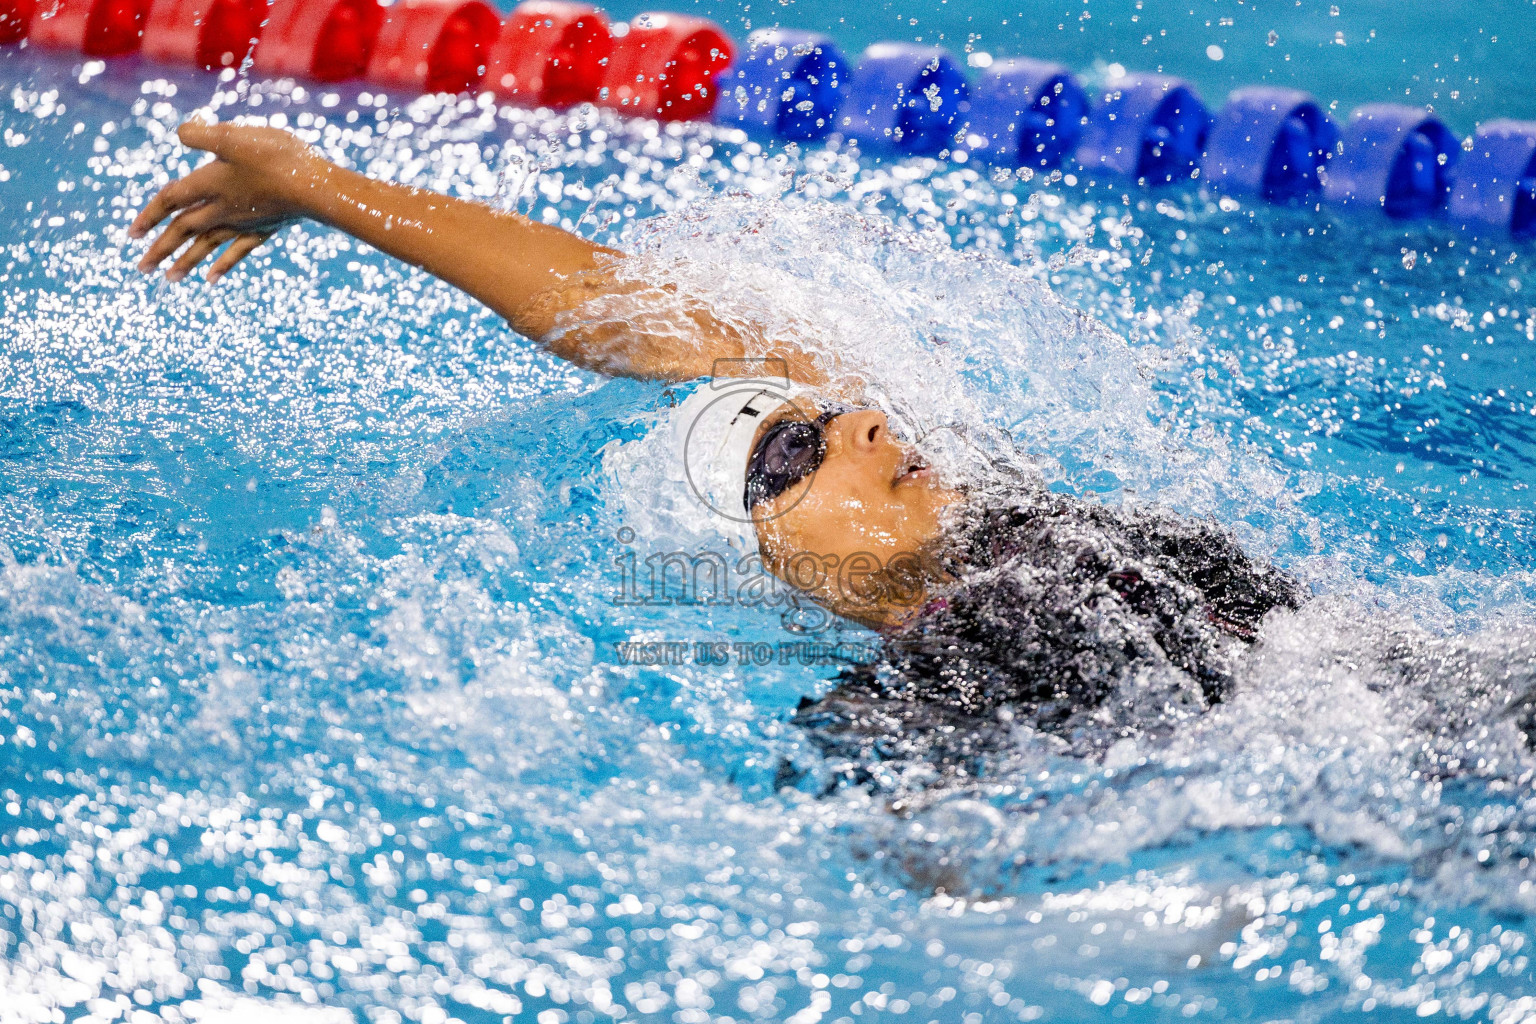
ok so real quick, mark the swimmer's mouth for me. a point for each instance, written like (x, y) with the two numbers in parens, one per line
(913, 469)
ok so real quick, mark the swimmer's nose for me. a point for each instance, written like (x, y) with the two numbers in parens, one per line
(863, 430)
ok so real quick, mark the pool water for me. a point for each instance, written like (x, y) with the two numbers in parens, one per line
(313, 691)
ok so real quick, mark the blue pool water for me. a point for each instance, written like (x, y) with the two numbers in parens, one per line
(311, 587)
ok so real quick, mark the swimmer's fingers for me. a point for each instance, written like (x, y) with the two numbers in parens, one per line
(247, 155)
(199, 250)
(200, 133)
(242, 143)
(187, 225)
(156, 210)
(195, 188)
(238, 250)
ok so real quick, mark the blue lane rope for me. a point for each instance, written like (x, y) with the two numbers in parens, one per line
(904, 98)
(1395, 157)
(1274, 142)
(788, 84)
(1495, 181)
(1278, 144)
(1025, 113)
(1148, 127)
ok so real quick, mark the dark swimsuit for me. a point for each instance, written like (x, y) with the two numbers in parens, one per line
(1058, 605)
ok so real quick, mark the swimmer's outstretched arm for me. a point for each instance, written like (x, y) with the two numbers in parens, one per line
(529, 273)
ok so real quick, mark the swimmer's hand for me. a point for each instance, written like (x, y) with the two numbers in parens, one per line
(551, 285)
(257, 184)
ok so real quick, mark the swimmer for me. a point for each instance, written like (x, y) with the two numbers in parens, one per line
(1016, 601)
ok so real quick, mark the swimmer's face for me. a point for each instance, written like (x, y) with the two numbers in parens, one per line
(872, 503)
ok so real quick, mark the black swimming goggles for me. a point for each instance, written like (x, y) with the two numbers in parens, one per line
(788, 452)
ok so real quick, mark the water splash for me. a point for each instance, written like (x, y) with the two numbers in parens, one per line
(307, 684)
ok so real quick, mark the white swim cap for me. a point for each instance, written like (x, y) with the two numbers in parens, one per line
(714, 430)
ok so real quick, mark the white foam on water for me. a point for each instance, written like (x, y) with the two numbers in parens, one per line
(380, 756)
